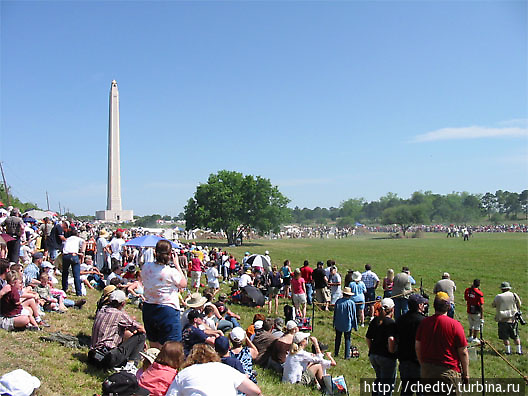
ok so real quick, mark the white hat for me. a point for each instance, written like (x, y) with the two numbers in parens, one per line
(291, 324)
(18, 383)
(299, 336)
(238, 334)
(47, 264)
(266, 252)
(258, 324)
(387, 303)
(356, 276)
(117, 295)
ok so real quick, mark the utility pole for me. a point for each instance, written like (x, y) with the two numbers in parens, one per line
(47, 200)
(60, 214)
(6, 188)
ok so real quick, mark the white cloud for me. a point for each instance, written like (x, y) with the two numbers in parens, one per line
(472, 132)
(516, 122)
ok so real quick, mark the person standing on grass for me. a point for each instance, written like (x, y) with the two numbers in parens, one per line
(475, 300)
(274, 284)
(401, 289)
(334, 281)
(306, 272)
(358, 289)
(441, 346)
(73, 255)
(344, 321)
(448, 286)
(299, 293)
(387, 283)
(286, 274)
(381, 341)
(371, 281)
(508, 305)
(322, 294)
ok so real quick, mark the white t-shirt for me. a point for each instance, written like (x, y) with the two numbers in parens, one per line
(160, 284)
(209, 321)
(116, 245)
(296, 363)
(212, 276)
(73, 245)
(245, 280)
(205, 379)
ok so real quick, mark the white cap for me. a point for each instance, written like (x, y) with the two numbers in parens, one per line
(18, 383)
(299, 336)
(291, 324)
(258, 324)
(387, 303)
(238, 334)
(117, 295)
(46, 264)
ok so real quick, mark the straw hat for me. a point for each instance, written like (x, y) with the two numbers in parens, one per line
(196, 300)
(347, 291)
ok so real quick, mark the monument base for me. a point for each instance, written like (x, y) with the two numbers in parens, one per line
(115, 215)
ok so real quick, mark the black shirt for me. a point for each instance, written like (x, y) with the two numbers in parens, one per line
(379, 334)
(318, 277)
(54, 242)
(407, 325)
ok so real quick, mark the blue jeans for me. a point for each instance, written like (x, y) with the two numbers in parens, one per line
(385, 369)
(232, 320)
(162, 323)
(401, 306)
(451, 312)
(409, 374)
(70, 260)
(338, 343)
(309, 293)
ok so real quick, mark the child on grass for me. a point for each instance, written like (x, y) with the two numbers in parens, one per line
(159, 376)
(209, 317)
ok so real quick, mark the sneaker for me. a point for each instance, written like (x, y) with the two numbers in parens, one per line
(32, 328)
(520, 353)
(43, 323)
(508, 353)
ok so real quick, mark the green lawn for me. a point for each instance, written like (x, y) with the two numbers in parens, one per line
(491, 257)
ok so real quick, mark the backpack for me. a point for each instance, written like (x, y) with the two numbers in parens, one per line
(288, 313)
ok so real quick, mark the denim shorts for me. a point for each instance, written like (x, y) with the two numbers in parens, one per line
(162, 323)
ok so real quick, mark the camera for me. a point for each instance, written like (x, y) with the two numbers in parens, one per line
(519, 317)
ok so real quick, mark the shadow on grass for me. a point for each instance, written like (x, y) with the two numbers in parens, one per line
(82, 356)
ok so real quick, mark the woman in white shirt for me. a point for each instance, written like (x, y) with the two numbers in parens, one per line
(305, 367)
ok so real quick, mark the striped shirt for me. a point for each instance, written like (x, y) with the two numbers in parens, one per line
(109, 327)
(369, 278)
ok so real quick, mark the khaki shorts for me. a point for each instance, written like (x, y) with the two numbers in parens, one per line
(322, 295)
(195, 278)
(299, 299)
(273, 291)
(307, 378)
(474, 321)
(7, 324)
(436, 373)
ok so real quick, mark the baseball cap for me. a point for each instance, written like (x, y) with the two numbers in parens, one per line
(417, 299)
(442, 296)
(123, 384)
(47, 264)
(291, 324)
(221, 345)
(38, 255)
(238, 334)
(117, 295)
(278, 323)
(299, 336)
(446, 275)
(258, 324)
(387, 303)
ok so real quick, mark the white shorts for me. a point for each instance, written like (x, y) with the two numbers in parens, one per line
(474, 321)
(195, 278)
(299, 299)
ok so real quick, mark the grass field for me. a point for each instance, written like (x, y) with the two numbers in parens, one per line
(491, 257)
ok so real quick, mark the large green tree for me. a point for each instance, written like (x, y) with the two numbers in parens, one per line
(234, 203)
(405, 216)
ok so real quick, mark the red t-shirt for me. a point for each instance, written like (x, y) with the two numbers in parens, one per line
(297, 285)
(306, 273)
(9, 305)
(196, 264)
(440, 337)
(473, 297)
(232, 264)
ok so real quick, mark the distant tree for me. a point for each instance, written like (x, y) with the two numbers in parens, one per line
(496, 218)
(523, 200)
(488, 204)
(405, 216)
(351, 209)
(166, 218)
(234, 203)
(500, 198)
(512, 204)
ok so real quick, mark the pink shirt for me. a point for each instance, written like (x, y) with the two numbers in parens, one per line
(157, 379)
(297, 285)
(160, 283)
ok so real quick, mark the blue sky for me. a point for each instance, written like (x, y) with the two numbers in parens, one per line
(329, 100)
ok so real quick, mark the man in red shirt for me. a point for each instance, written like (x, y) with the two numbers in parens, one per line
(441, 347)
(475, 300)
(306, 273)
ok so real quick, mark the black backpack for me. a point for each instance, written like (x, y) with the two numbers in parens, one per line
(288, 312)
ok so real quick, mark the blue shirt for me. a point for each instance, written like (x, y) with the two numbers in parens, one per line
(345, 314)
(191, 336)
(358, 288)
(31, 272)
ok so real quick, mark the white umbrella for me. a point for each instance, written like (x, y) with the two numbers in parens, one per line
(258, 260)
(37, 214)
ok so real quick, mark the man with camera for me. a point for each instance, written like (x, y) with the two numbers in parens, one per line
(508, 315)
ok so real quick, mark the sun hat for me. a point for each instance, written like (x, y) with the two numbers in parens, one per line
(150, 354)
(387, 303)
(18, 383)
(299, 336)
(505, 286)
(237, 334)
(196, 300)
(118, 296)
(356, 276)
(103, 233)
(266, 252)
(248, 272)
(123, 384)
(291, 324)
(221, 345)
(348, 291)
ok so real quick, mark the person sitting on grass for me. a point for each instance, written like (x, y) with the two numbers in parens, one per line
(43, 289)
(227, 314)
(12, 307)
(304, 367)
(222, 348)
(89, 273)
(281, 347)
(245, 353)
(192, 333)
(204, 374)
(148, 356)
(159, 376)
(136, 290)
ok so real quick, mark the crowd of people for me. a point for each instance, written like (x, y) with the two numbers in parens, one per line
(189, 340)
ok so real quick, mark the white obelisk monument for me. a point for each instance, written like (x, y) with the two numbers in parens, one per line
(114, 211)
